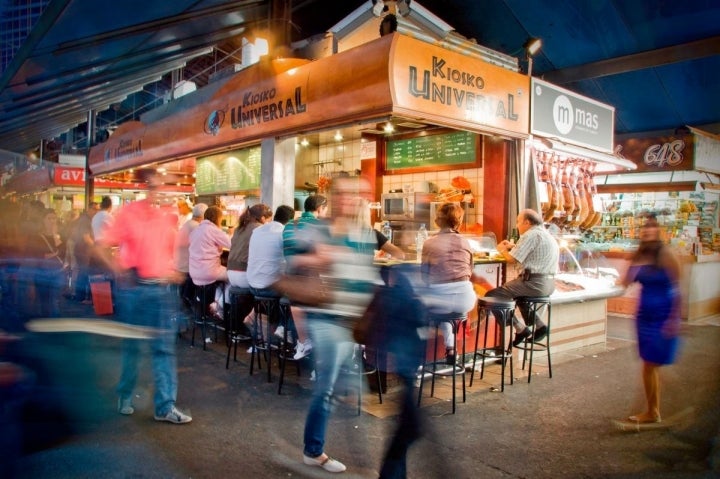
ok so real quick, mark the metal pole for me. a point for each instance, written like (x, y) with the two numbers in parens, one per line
(89, 183)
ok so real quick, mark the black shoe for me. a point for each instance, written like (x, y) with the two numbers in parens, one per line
(539, 333)
(450, 356)
(521, 336)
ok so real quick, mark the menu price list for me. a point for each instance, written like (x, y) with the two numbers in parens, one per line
(228, 172)
(435, 150)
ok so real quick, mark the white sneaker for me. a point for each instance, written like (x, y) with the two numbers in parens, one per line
(329, 464)
(174, 416)
(312, 375)
(125, 406)
(280, 331)
(302, 349)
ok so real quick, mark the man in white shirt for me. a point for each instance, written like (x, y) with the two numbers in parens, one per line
(102, 219)
(266, 261)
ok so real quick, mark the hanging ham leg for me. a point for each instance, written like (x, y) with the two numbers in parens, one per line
(566, 189)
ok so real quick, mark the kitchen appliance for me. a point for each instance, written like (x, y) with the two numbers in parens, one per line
(402, 206)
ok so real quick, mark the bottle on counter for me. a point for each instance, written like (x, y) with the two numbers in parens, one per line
(420, 237)
(387, 231)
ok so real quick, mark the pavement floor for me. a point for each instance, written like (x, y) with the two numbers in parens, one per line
(548, 428)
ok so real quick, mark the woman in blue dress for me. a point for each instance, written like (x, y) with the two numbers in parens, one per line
(657, 270)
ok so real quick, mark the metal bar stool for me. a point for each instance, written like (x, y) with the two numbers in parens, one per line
(204, 295)
(358, 368)
(262, 340)
(456, 320)
(241, 303)
(286, 350)
(502, 308)
(532, 306)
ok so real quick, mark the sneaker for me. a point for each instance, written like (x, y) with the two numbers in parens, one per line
(251, 349)
(125, 406)
(280, 331)
(312, 375)
(174, 416)
(329, 464)
(302, 349)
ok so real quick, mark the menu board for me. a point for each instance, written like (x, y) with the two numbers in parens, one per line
(435, 150)
(228, 172)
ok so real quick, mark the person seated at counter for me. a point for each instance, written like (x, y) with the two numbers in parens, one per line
(537, 253)
(447, 268)
(207, 242)
(253, 217)
(266, 261)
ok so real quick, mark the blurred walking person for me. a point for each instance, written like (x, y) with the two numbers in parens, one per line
(144, 270)
(342, 251)
(657, 270)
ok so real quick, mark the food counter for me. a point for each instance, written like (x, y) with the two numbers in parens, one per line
(699, 287)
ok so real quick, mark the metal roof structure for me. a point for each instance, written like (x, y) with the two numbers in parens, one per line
(656, 61)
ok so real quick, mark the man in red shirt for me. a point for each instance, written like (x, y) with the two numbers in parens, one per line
(144, 269)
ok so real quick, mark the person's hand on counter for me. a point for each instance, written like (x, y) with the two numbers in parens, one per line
(504, 248)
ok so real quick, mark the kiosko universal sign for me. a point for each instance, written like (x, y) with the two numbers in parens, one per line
(571, 118)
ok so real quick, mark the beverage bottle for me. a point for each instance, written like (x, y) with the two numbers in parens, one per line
(387, 231)
(420, 238)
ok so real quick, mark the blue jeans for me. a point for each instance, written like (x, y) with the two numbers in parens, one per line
(332, 346)
(149, 305)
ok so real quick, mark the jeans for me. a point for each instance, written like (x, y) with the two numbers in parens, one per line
(332, 346)
(152, 306)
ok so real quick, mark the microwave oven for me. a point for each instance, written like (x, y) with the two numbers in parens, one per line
(406, 206)
(397, 206)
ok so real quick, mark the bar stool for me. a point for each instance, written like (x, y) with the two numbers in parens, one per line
(204, 295)
(241, 303)
(532, 306)
(286, 350)
(456, 320)
(262, 340)
(504, 309)
(358, 368)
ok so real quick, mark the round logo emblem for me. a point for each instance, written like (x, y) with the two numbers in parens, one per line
(214, 121)
(563, 114)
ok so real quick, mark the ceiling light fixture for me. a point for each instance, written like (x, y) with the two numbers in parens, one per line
(338, 136)
(388, 128)
(304, 142)
(531, 47)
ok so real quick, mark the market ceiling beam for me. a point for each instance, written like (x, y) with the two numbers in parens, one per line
(638, 61)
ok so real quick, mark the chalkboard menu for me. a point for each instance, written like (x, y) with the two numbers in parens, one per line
(435, 150)
(228, 172)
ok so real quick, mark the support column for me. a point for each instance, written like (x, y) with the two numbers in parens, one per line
(89, 180)
(277, 172)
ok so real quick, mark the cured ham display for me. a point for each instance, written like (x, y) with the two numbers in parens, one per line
(570, 187)
(541, 162)
(566, 190)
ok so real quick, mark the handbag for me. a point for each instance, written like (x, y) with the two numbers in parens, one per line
(365, 327)
(307, 290)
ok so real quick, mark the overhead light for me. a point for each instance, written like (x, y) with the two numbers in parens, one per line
(403, 7)
(388, 128)
(338, 136)
(532, 46)
(161, 169)
(304, 142)
(379, 7)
